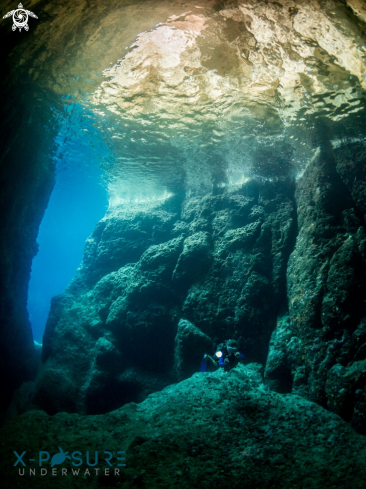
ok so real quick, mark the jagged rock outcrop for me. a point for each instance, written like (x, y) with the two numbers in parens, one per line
(212, 430)
(190, 342)
(350, 161)
(26, 182)
(253, 235)
(216, 263)
(319, 351)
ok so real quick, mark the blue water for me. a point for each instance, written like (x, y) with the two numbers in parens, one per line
(78, 202)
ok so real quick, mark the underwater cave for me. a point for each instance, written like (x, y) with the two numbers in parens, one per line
(176, 174)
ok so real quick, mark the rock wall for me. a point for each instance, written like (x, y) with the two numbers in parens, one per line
(26, 182)
(319, 350)
(159, 286)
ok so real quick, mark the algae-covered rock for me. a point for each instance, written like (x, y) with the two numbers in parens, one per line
(241, 237)
(122, 238)
(190, 344)
(212, 430)
(343, 304)
(341, 387)
(278, 372)
(253, 232)
(194, 260)
(351, 165)
(317, 353)
(216, 261)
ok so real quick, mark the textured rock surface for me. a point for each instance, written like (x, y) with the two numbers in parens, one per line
(351, 166)
(26, 182)
(216, 263)
(321, 347)
(212, 430)
(241, 293)
(190, 342)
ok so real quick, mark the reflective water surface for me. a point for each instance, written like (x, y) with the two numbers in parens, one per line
(189, 95)
(222, 92)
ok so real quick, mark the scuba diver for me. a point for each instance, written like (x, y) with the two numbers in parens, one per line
(227, 357)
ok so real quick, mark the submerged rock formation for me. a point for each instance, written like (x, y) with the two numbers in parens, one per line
(230, 86)
(160, 286)
(319, 351)
(214, 264)
(212, 430)
(26, 182)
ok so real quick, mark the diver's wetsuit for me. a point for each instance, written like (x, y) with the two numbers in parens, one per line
(220, 361)
(233, 361)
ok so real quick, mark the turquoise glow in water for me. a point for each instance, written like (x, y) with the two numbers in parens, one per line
(78, 201)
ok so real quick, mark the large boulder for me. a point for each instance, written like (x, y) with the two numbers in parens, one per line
(212, 430)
